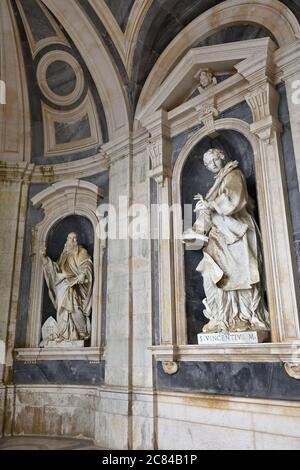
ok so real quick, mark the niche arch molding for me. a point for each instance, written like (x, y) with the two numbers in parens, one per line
(63, 199)
(283, 348)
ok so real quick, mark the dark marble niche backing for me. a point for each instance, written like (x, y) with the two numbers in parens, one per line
(55, 244)
(253, 380)
(61, 86)
(39, 24)
(59, 373)
(61, 78)
(121, 11)
(196, 179)
(66, 132)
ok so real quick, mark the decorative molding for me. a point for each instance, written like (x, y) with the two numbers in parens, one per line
(103, 11)
(18, 172)
(78, 169)
(293, 369)
(28, 172)
(170, 368)
(45, 62)
(178, 85)
(51, 117)
(34, 355)
(263, 102)
(267, 352)
(135, 22)
(37, 46)
(59, 201)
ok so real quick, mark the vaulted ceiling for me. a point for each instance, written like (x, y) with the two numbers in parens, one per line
(115, 44)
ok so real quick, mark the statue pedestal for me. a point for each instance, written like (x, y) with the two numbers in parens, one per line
(65, 344)
(247, 337)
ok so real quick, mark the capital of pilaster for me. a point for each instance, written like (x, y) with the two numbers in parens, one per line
(159, 153)
(159, 148)
(17, 172)
(263, 101)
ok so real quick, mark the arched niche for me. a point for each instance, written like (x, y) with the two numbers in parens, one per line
(70, 205)
(272, 217)
(55, 242)
(195, 179)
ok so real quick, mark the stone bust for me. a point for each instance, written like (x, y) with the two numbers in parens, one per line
(206, 79)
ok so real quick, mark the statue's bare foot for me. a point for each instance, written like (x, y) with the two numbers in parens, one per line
(257, 325)
(214, 327)
(60, 339)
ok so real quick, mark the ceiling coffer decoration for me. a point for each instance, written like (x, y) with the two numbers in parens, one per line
(68, 110)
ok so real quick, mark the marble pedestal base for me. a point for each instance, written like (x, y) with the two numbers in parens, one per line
(65, 344)
(247, 337)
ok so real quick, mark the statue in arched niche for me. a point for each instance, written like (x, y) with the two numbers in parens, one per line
(70, 282)
(232, 263)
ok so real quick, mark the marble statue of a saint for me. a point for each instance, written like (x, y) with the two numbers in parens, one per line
(70, 282)
(230, 239)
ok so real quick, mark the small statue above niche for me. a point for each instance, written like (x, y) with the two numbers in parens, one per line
(232, 263)
(206, 79)
(70, 285)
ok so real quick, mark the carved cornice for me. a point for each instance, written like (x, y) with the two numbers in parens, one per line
(17, 172)
(287, 60)
(93, 355)
(256, 353)
(29, 172)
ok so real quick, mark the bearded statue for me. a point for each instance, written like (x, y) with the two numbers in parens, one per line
(70, 285)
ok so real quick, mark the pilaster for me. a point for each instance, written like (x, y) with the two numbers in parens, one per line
(279, 260)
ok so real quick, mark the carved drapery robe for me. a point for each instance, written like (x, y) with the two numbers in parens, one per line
(232, 261)
(72, 300)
